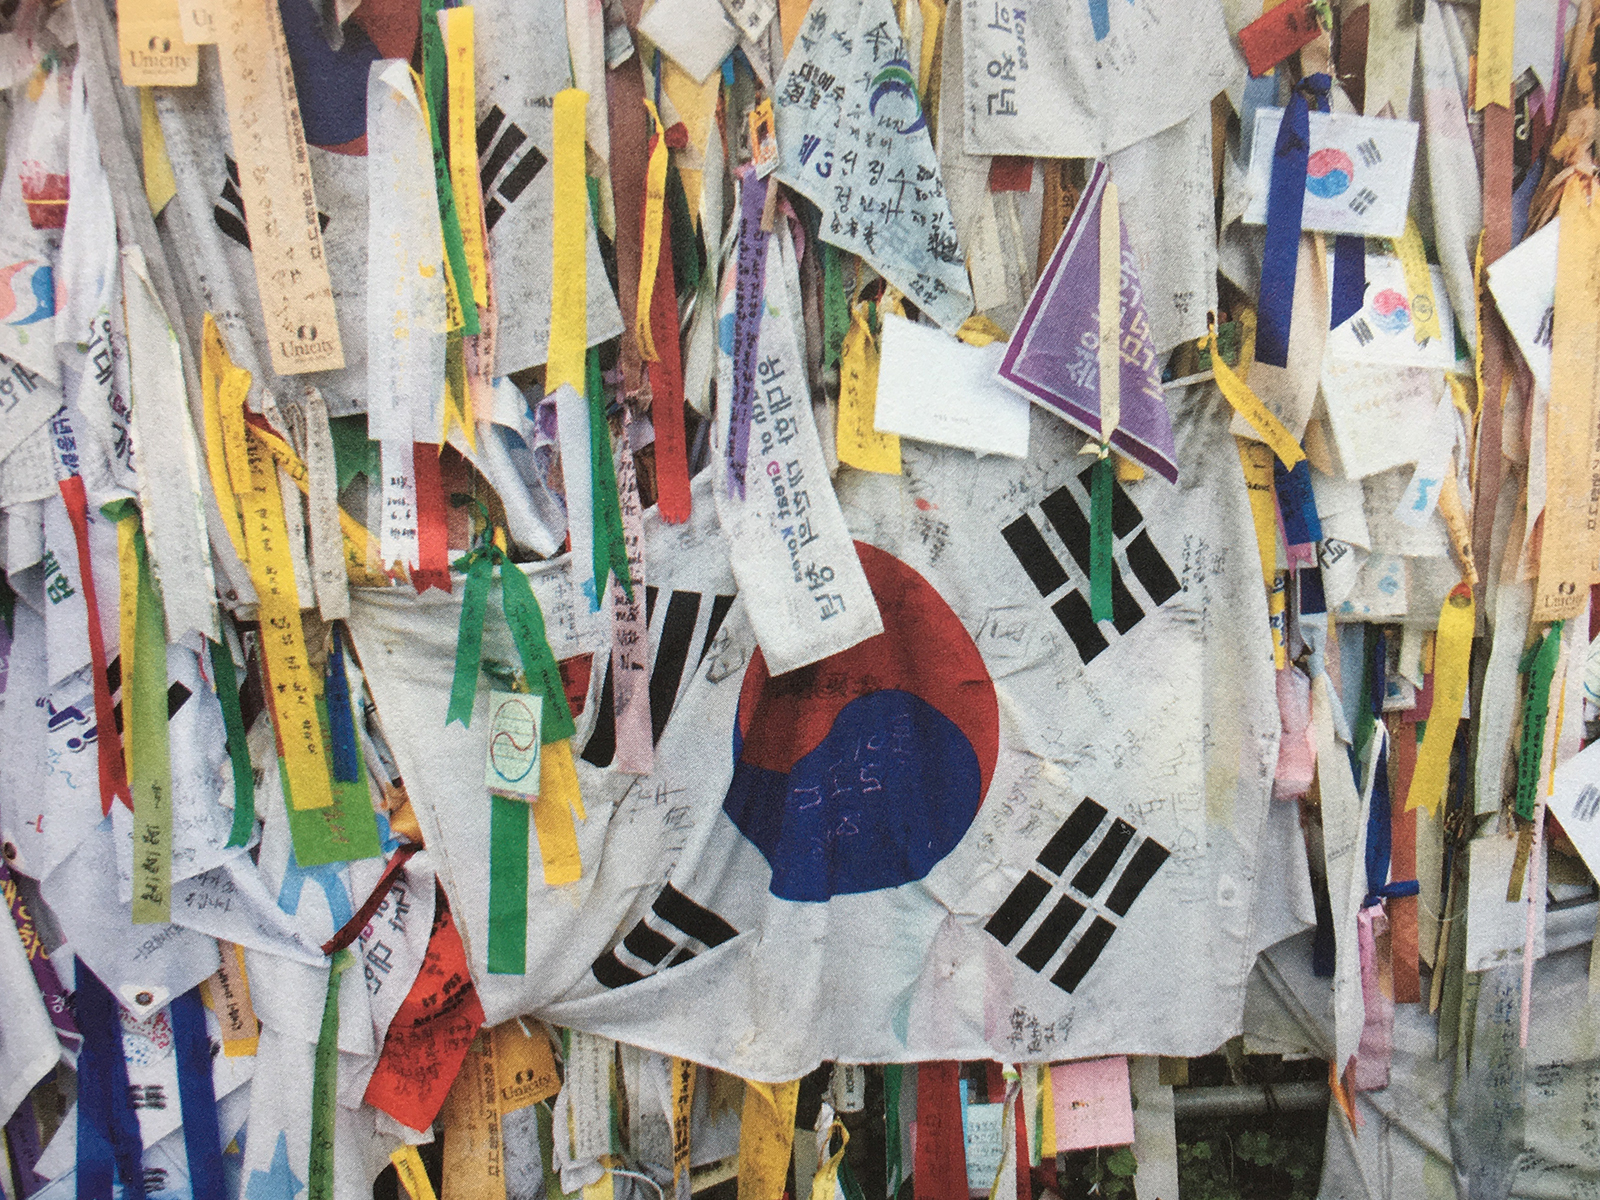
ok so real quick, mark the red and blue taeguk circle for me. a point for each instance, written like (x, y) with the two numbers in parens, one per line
(1390, 311)
(862, 771)
(1329, 172)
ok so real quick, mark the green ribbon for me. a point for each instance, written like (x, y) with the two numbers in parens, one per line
(610, 550)
(469, 639)
(526, 620)
(1540, 666)
(893, 1159)
(835, 306)
(685, 242)
(344, 831)
(433, 87)
(508, 885)
(1100, 608)
(244, 780)
(324, 1088)
(146, 705)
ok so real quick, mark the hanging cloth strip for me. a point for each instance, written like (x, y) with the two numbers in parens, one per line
(658, 334)
(244, 780)
(108, 1127)
(1285, 203)
(202, 1141)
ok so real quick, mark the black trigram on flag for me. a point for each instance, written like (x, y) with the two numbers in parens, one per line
(664, 937)
(228, 212)
(687, 623)
(1080, 898)
(500, 184)
(1065, 584)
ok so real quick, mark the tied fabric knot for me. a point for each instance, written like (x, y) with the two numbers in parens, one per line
(527, 632)
(1285, 207)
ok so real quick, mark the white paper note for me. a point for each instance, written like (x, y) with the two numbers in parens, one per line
(934, 388)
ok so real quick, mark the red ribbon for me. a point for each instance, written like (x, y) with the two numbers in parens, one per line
(113, 773)
(433, 551)
(666, 384)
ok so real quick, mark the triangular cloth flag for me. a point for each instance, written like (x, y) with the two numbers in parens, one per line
(853, 139)
(1054, 358)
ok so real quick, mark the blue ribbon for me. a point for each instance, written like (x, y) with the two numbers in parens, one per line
(1285, 207)
(202, 1139)
(1349, 277)
(1297, 503)
(341, 720)
(108, 1128)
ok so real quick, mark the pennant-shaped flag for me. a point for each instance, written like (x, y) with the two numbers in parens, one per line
(853, 139)
(1054, 358)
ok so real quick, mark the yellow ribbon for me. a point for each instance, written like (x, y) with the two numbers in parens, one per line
(569, 325)
(223, 388)
(1451, 654)
(1419, 282)
(655, 201)
(459, 56)
(766, 1138)
(1248, 405)
(295, 687)
(559, 799)
(859, 443)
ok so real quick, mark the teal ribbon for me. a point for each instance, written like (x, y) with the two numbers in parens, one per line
(1100, 607)
(526, 620)
(244, 779)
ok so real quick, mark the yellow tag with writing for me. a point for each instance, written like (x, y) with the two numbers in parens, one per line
(227, 993)
(1497, 30)
(859, 444)
(128, 575)
(223, 386)
(682, 1106)
(569, 323)
(413, 1175)
(474, 1162)
(1452, 652)
(275, 183)
(1047, 1113)
(1572, 451)
(1110, 313)
(1277, 619)
(150, 45)
(1249, 406)
(1419, 282)
(524, 1067)
(293, 685)
(362, 561)
(655, 201)
(460, 55)
(160, 185)
(553, 811)
(1256, 459)
(766, 1138)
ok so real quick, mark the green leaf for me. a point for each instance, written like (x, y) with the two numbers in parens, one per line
(1122, 1162)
